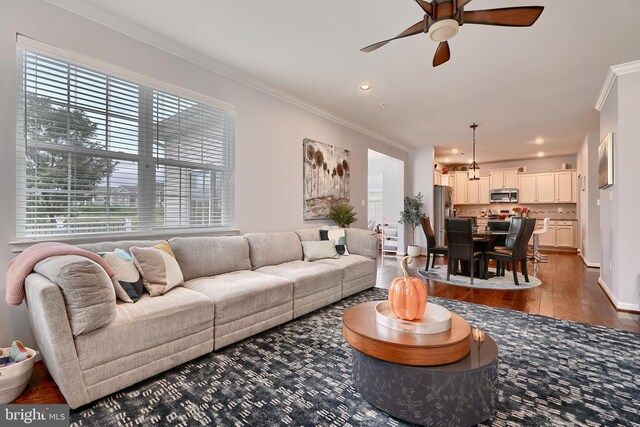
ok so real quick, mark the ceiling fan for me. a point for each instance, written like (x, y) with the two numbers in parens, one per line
(443, 18)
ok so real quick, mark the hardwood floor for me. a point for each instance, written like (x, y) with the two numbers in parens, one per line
(569, 291)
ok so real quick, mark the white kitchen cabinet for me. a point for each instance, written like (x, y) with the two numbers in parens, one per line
(485, 190)
(565, 187)
(437, 178)
(473, 192)
(545, 187)
(537, 188)
(548, 238)
(503, 178)
(565, 234)
(511, 179)
(527, 188)
(460, 193)
(446, 179)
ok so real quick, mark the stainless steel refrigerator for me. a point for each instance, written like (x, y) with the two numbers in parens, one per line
(443, 208)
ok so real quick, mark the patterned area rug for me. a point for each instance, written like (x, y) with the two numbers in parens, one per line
(551, 372)
(439, 273)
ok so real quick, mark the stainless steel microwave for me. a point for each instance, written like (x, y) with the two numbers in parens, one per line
(505, 195)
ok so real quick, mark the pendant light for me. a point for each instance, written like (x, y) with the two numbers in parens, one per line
(474, 169)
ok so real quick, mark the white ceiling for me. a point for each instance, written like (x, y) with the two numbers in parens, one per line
(519, 84)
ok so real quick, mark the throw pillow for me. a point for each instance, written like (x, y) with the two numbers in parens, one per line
(158, 267)
(318, 249)
(337, 235)
(127, 281)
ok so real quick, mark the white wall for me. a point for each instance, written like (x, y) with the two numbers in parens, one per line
(589, 211)
(620, 204)
(269, 131)
(422, 161)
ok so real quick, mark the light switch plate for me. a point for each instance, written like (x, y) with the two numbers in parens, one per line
(597, 202)
(559, 209)
(364, 203)
(611, 195)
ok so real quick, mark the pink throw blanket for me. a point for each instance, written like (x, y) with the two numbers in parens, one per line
(22, 265)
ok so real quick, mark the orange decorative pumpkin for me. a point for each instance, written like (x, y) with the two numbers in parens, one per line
(407, 295)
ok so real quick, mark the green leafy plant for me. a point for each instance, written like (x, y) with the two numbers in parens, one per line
(343, 214)
(412, 213)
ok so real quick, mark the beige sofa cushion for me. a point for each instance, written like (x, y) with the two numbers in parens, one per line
(352, 266)
(208, 256)
(362, 242)
(149, 323)
(273, 248)
(243, 293)
(88, 291)
(308, 277)
(308, 234)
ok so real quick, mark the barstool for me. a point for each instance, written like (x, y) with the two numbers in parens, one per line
(537, 256)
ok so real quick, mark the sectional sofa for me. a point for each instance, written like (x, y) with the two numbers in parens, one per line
(234, 287)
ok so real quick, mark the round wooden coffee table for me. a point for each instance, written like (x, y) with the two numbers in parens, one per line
(439, 379)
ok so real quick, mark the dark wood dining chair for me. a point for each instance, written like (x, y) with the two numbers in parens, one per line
(518, 244)
(499, 226)
(460, 245)
(432, 249)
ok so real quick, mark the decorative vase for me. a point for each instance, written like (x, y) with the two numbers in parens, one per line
(407, 295)
(413, 251)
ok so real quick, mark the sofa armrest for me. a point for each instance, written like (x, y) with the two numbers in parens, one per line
(362, 242)
(50, 325)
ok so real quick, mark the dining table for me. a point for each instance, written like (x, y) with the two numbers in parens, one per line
(483, 240)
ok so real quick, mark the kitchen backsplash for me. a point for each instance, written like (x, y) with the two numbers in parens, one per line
(537, 211)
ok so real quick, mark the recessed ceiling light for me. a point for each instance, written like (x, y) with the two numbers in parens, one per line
(540, 154)
(539, 141)
(470, 161)
(365, 86)
(454, 151)
(447, 160)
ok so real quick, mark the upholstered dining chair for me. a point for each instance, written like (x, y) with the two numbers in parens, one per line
(460, 245)
(432, 249)
(516, 248)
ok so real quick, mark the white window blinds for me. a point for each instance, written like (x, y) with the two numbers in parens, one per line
(99, 153)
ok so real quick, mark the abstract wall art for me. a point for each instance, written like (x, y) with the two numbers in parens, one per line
(605, 162)
(326, 178)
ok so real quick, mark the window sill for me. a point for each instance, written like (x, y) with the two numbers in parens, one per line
(20, 245)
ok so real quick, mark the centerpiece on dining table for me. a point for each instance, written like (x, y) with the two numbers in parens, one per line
(407, 308)
(521, 212)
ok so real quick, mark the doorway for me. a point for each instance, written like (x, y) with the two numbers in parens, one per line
(386, 200)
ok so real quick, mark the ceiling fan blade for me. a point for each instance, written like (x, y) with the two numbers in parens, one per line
(442, 54)
(417, 28)
(523, 16)
(426, 6)
(462, 3)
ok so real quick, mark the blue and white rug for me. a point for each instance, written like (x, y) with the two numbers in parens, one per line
(551, 373)
(438, 273)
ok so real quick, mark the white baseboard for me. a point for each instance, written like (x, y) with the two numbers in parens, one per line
(587, 263)
(618, 305)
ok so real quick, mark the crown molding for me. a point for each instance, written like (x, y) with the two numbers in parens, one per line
(610, 79)
(93, 13)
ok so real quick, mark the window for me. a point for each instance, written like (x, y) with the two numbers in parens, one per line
(101, 153)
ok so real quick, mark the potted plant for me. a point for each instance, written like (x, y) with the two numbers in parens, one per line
(343, 214)
(412, 215)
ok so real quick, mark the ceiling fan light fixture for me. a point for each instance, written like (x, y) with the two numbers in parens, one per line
(444, 30)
